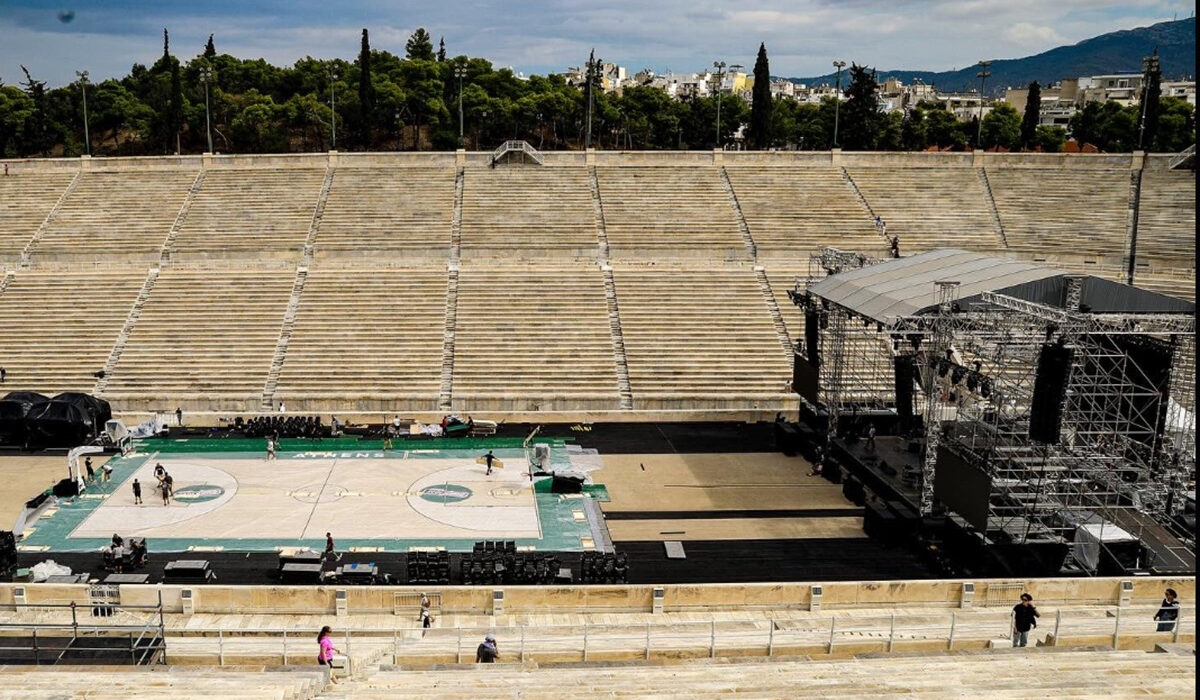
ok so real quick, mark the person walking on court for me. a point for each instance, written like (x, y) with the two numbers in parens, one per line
(91, 473)
(487, 651)
(326, 650)
(106, 473)
(137, 492)
(330, 549)
(1024, 619)
(270, 449)
(1168, 612)
(489, 458)
(166, 492)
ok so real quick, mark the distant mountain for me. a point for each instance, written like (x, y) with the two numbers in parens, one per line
(1115, 52)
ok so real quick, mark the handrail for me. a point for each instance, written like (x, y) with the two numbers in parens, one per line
(516, 145)
(766, 635)
(1182, 157)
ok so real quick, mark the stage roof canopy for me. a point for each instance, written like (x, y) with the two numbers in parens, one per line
(907, 286)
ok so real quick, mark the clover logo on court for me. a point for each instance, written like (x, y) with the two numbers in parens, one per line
(445, 493)
(199, 493)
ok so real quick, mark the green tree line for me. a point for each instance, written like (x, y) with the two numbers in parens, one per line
(385, 101)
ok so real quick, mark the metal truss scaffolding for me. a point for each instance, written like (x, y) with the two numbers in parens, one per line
(1126, 456)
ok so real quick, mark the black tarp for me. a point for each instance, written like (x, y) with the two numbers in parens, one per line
(13, 408)
(57, 424)
(97, 410)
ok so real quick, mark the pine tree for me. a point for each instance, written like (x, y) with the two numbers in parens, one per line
(1033, 109)
(761, 105)
(419, 46)
(861, 117)
(366, 92)
(210, 51)
(441, 54)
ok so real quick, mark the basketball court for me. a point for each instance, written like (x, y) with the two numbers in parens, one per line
(370, 500)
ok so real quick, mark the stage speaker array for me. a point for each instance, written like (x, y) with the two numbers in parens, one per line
(906, 370)
(1049, 392)
(812, 337)
(8, 555)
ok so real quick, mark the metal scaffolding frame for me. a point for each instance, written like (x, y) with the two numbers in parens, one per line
(1114, 457)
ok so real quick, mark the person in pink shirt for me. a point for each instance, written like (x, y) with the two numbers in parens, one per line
(327, 650)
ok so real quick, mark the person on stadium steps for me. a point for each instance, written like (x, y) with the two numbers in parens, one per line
(137, 492)
(426, 621)
(487, 651)
(895, 246)
(326, 650)
(1024, 619)
(1168, 612)
(3, 372)
(870, 445)
(178, 416)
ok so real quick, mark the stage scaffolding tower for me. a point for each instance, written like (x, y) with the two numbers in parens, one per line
(1118, 463)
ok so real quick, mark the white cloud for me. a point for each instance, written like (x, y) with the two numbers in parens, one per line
(1026, 34)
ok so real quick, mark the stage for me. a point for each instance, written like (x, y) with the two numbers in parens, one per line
(229, 499)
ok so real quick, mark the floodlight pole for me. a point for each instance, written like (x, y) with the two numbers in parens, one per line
(837, 100)
(983, 76)
(206, 78)
(333, 108)
(720, 66)
(460, 71)
(87, 141)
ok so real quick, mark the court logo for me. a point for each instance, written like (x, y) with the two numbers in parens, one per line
(198, 494)
(445, 493)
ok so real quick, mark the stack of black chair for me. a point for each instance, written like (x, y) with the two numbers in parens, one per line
(429, 567)
(284, 427)
(604, 567)
(493, 563)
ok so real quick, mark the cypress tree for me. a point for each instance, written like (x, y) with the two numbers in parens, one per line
(441, 54)
(761, 106)
(1029, 121)
(210, 51)
(175, 117)
(366, 92)
(860, 114)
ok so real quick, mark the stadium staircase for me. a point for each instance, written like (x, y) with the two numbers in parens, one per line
(1129, 259)
(445, 395)
(747, 239)
(26, 198)
(513, 146)
(285, 337)
(776, 316)
(618, 338)
(858, 193)
(1186, 159)
(598, 206)
(318, 215)
(130, 321)
(27, 253)
(991, 200)
(456, 218)
(164, 257)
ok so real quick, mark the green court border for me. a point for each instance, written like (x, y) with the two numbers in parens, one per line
(560, 530)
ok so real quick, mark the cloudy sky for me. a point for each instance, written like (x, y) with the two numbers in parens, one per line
(538, 36)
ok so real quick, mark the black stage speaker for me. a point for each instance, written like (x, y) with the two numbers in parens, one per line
(1049, 391)
(812, 337)
(67, 488)
(906, 369)
(8, 555)
(805, 381)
